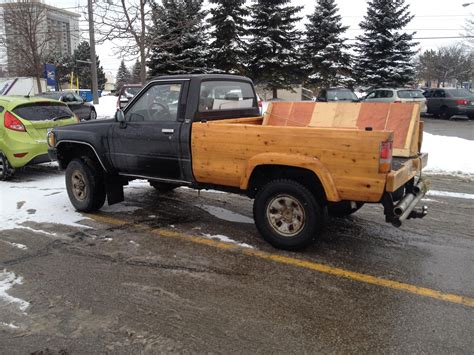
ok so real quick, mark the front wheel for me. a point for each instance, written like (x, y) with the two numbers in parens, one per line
(287, 215)
(85, 185)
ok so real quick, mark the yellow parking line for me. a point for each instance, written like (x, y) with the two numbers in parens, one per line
(339, 272)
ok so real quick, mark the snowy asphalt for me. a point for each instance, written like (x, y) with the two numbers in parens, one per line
(188, 272)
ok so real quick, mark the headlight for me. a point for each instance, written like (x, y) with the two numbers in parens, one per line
(51, 139)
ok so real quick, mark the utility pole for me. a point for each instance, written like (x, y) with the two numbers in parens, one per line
(95, 86)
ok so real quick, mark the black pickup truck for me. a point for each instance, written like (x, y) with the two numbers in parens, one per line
(206, 131)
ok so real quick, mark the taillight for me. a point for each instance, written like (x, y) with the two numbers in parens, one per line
(13, 123)
(385, 161)
(260, 103)
(461, 102)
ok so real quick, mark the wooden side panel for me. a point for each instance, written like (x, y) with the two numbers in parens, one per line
(347, 115)
(373, 114)
(301, 114)
(222, 151)
(324, 114)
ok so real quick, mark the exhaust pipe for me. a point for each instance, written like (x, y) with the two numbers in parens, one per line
(405, 208)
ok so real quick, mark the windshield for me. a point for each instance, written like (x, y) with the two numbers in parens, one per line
(341, 95)
(43, 111)
(410, 94)
(460, 93)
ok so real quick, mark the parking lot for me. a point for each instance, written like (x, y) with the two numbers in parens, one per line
(187, 272)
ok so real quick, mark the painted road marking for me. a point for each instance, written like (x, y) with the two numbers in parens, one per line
(326, 269)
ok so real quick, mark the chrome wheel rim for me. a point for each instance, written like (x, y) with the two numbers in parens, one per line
(2, 166)
(285, 215)
(79, 187)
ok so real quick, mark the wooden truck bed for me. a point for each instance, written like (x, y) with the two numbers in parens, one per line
(330, 139)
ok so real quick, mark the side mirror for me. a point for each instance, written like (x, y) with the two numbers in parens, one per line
(119, 116)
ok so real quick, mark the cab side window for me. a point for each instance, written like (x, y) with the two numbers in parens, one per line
(158, 104)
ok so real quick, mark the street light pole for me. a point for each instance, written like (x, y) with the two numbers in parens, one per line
(467, 4)
(95, 86)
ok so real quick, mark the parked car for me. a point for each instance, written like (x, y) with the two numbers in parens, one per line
(214, 137)
(397, 95)
(24, 124)
(337, 94)
(446, 103)
(84, 110)
(126, 93)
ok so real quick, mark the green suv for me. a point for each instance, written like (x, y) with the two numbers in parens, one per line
(24, 124)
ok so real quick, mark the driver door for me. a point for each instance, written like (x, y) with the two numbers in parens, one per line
(147, 144)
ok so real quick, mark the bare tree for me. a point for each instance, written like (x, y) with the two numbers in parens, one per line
(27, 38)
(125, 24)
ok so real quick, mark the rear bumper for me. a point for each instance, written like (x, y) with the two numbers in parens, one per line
(408, 171)
(403, 192)
(463, 110)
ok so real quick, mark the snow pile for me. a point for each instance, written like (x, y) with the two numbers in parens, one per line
(7, 281)
(448, 154)
(42, 199)
(106, 107)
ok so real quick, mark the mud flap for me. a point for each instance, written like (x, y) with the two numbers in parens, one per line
(114, 190)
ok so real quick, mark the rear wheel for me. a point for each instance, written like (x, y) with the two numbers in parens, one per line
(343, 208)
(85, 185)
(287, 214)
(470, 116)
(6, 170)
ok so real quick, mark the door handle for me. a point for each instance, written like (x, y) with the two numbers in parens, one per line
(167, 130)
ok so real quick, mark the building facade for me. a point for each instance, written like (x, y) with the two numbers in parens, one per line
(57, 34)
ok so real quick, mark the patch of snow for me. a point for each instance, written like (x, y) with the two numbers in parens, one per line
(119, 207)
(37, 230)
(226, 215)
(39, 205)
(7, 281)
(450, 194)
(9, 325)
(442, 149)
(134, 243)
(18, 245)
(225, 239)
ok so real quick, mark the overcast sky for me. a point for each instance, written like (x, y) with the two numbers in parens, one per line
(433, 18)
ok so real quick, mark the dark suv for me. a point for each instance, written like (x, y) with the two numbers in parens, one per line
(446, 103)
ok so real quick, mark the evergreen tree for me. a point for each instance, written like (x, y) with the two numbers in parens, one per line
(136, 73)
(179, 38)
(384, 51)
(123, 76)
(83, 71)
(326, 60)
(274, 60)
(228, 51)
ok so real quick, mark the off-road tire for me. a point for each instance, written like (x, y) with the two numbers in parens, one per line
(163, 186)
(6, 172)
(278, 193)
(343, 208)
(93, 196)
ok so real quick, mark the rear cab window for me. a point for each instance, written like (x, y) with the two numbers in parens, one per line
(222, 99)
(43, 111)
(410, 94)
